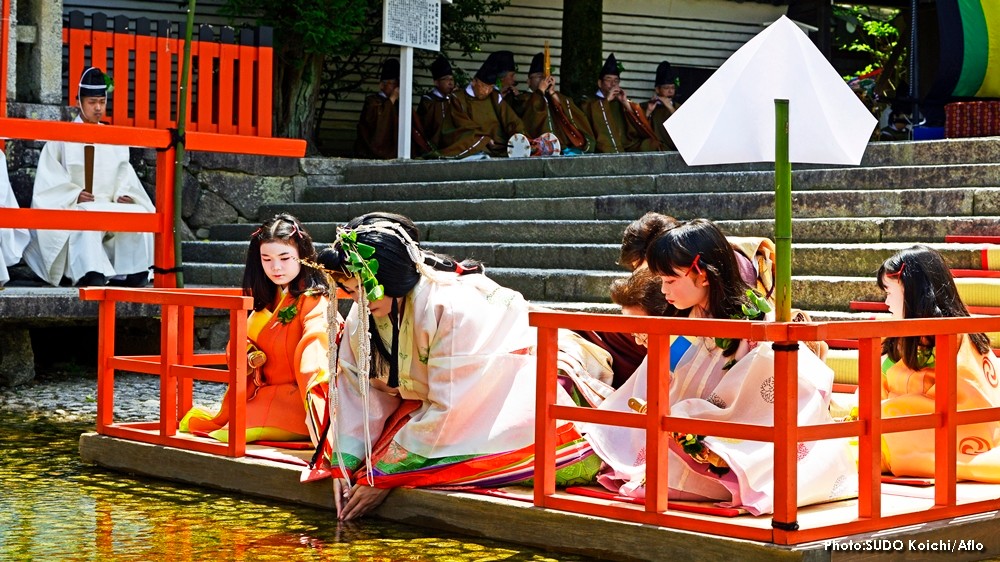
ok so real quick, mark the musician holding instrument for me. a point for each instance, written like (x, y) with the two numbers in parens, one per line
(548, 111)
(619, 125)
(664, 102)
(90, 177)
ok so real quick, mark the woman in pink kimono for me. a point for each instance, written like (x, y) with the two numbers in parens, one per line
(918, 284)
(723, 380)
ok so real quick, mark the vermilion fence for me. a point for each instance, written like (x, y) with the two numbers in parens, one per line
(785, 433)
(177, 364)
(230, 85)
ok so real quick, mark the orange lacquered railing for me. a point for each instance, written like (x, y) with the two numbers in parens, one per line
(177, 364)
(785, 433)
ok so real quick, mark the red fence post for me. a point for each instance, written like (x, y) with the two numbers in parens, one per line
(145, 45)
(657, 406)
(545, 426)
(870, 414)
(168, 358)
(247, 58)
(237, 395)
(105, 372)
(228, 51)
(124, 45)
(163, 240)
(78, 39)
(265, 80)
(945, 404)
(208, 54)
(165, 50)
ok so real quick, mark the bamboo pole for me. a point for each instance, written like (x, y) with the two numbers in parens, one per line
(782, 214)
(181, 126)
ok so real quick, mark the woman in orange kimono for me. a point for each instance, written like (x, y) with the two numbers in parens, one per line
(918, 284)
(287, 348)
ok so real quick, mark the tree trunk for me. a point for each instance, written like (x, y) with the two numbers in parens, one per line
(582, 47)
(296, 91)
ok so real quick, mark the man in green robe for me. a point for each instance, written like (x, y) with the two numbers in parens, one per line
(434, 108)
(618, 124)
(664, 103)
(548, 111)
(378, 126)
(480, 123)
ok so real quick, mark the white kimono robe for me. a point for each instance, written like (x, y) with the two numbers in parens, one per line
(466, 353)
(52, 254)
(701, 388)
(12, 240)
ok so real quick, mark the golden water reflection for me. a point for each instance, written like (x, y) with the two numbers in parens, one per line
(54, 507)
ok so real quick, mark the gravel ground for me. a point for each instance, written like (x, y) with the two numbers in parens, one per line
(71, 396)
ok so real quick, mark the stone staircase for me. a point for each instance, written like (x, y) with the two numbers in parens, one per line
(551, 227)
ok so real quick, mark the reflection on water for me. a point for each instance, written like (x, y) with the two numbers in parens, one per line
(53, 507)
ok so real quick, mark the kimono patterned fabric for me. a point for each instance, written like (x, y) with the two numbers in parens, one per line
(465, 411)
(702, 388)
(908, 392)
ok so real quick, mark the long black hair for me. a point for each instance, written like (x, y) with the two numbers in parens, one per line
(638, 234)
(397, 273)
(929, 291)
(678, 247)
(285, 229)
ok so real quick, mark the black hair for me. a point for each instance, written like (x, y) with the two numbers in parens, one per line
(285, 229)
(929, 291)
(678, 247)
(397, 273)
(638, 234)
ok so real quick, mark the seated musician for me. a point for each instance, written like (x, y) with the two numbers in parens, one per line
(618, 124)
(549, 111)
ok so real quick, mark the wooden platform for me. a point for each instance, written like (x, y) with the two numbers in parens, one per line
(276, 476)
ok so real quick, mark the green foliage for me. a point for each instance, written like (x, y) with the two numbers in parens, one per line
(313, 26)
(873, 31)
(361, 263)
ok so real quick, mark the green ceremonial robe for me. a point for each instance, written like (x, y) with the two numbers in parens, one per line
(614, 130)
(378, 128)
(660, 114)
(474, 123)
(433, 116)
(542, 115)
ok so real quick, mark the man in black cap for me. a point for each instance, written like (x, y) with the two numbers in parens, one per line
(663, 104)
(618, 124)
(480, 122)
(506, 74)
(90, 257)
(434, 108)
(378, 127)
(547, 111)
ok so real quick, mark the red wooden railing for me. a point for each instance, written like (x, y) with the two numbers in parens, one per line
(159, 223)
(785, 433)
(230, 84)
(177, 364)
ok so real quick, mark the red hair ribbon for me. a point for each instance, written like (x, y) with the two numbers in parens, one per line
(694, 266)
(256, 232)
(896, 275)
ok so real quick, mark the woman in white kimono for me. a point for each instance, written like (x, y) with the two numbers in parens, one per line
(12, 240)
(90, 257)
(439, 360)
(723, 380)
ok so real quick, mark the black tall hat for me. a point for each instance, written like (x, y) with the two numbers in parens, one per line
(505, 62)
(666, 75)
(94, 83)
(611, 67)
(390, 70)
(537, 62)
(441, 68)
(489, 71)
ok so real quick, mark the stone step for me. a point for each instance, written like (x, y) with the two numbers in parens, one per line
(940, 176)
(808, 259)
(717, 206)
(925, 153)
(575, 285)
(855, 229)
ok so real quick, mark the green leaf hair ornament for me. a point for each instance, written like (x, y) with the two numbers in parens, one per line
(109, 83)
(361, 263)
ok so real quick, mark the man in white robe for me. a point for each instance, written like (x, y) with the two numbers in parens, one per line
(90, 257)
(12, 240)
